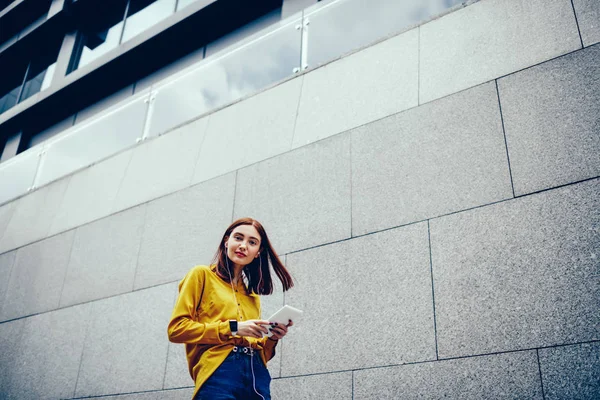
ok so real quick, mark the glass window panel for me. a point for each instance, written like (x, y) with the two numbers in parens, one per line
(95, 140)
(12, 75)
(103, 33)
(144, 14)
(17, 174)
(38, 82)
(343, 26)
(184, 3)
(41, 69)
(9, 99)
(260, 61)
(99, 43)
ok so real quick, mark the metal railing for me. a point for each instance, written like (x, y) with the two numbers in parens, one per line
(319, 34)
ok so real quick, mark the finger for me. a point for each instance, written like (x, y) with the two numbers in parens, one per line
(260, 330)
(261, 322)
(290, 323)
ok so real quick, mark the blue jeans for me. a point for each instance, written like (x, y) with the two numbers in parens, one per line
(233, 380)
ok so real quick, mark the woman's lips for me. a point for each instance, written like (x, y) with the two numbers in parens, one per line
(242, 255)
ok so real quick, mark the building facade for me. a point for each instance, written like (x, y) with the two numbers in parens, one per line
(428, 170)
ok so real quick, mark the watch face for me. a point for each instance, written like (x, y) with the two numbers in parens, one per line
(233, 326)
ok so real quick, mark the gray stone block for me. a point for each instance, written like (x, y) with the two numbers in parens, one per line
(91, 193)
(366, 301)
(439, 158)
(337, 386)
(571, 372)
(177, 394)
(183, 230)
(50, 353)
(252, 130)
(490, 39)
(176, 371)
(177, 374)
(6, 263)
(33, 216)
(499, 376)
(551, 117)
(371, 84)
(301, 197)
(518, 274)
(37, 277)
(6, 212)
(126, 345)
(11, 334)
(588, 17)
(162, 165)
(104, 257)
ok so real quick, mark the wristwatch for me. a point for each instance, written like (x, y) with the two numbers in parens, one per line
(233, 326)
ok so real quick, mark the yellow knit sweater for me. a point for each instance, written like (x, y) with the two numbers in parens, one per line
(201, 317)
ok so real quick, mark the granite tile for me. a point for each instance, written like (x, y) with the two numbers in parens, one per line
(499, 376)
(588, 18)
(126, 330)
(6, 212)
(161, 165)
(302, 198)
(32, 218)
(518, 274)
(551, 121)
(7, 261)
(91, 193)
(336, 386)
(571, 372)
(376, 286)
(177, 374)
(37, 278)
(410, 166)
(176, 394)
(363, 87)
(104, 257)
(490, 39)
(50, 353)
(183, 230)
(11, 336)
(249, 131)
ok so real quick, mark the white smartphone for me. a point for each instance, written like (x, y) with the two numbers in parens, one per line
(283, 316)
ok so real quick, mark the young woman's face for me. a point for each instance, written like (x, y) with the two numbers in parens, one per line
(243, 244)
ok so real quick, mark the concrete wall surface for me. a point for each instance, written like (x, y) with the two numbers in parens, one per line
(436, 197)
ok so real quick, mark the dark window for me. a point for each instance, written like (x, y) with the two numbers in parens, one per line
(40, 71)
(11, 81)
(119, 24)
(101, 35)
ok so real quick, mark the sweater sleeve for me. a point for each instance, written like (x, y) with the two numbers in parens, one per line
(268, 346)
(182, 326)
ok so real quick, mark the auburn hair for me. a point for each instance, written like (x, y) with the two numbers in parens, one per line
(257, 273)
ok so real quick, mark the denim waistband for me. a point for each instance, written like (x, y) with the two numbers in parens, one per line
(249, 351)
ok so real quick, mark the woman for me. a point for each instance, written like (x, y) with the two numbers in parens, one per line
(217, 316)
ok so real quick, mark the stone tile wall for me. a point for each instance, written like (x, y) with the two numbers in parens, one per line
(435, 197)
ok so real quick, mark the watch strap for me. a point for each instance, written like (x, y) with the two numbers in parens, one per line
(233, 326)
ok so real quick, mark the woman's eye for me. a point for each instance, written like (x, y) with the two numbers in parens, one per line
(253, 243)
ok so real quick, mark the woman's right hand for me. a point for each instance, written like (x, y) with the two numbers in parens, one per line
(253, 328)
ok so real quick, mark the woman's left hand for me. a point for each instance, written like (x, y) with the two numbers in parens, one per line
(279, 330)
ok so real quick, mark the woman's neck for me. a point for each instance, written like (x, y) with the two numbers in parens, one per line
(237, 273)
